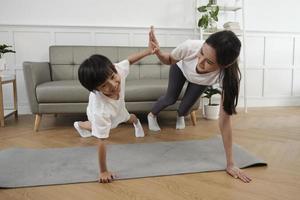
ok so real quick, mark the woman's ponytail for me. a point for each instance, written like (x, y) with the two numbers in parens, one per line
(231, 83)
(227, 46)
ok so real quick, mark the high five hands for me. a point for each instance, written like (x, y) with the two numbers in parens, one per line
(153, 43)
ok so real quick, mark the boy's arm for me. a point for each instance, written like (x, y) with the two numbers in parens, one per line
(105, 175)
(138, 56)
(102, 155)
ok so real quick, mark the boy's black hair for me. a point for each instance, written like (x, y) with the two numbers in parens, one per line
(94, 71)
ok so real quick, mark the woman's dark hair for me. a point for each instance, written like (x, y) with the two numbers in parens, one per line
(227, 46)
(94, 71)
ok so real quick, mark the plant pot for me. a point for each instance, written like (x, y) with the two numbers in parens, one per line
(211, 111)
(212, 26)
(2, 63)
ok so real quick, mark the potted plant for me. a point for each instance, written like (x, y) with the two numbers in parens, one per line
(3, 50)
(209, 16)
(211, 110)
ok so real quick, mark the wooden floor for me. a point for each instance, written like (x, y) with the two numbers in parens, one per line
(271, 133)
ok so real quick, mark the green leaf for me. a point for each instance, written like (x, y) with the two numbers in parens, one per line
(203, 22)
(8, 51)
(210, 91)
(4, 49)
(200, 22)
(215, 18)
(202, 9)
(217, 10)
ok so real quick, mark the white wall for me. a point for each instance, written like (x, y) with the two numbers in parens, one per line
(276, 15)
(272, 42)
(133, 13)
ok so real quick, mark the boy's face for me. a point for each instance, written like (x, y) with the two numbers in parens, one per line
(111, 86)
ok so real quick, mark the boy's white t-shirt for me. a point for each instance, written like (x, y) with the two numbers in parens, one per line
(186, 53)
(105, 113)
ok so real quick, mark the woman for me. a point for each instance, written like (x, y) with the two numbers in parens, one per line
(203, 63)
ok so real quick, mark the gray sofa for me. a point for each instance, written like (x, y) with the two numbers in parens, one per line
(53, 87)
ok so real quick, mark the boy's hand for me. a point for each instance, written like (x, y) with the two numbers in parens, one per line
(153, 43)
(106, 177)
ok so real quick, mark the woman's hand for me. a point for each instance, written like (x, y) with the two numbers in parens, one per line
(106, 177)
(238, 173)
(153, 43)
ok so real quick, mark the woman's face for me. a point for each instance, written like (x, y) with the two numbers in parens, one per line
(207, 60)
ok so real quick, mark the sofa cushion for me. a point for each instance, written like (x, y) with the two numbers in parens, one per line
(71, 91)
(146, 90)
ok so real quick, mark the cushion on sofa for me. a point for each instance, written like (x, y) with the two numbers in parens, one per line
(147, 90)
(71, 91)
(68, 91)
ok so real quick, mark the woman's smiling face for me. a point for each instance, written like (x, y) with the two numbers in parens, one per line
(207, 60)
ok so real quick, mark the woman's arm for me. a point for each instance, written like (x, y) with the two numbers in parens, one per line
(226, 131)
(164, 57)
(105, 175)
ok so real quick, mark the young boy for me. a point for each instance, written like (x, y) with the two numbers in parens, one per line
(106, 108)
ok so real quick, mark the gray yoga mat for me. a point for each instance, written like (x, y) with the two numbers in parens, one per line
(21, 167)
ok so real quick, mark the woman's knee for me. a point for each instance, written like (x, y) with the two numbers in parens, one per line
(169, 100)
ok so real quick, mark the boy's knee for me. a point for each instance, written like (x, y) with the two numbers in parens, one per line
(133, 118)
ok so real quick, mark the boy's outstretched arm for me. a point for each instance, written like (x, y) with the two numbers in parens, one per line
(105, 175)
(138, 56)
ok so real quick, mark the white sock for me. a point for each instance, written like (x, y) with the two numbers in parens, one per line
(138, 129)
(82, 132)
(152, 123)
(180, 124)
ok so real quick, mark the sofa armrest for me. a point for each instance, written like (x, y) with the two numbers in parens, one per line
(35, 73)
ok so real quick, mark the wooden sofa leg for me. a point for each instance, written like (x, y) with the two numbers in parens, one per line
(193, 117)
(37, 122)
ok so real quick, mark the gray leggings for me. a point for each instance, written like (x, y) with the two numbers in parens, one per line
(175, 85)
